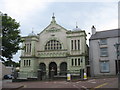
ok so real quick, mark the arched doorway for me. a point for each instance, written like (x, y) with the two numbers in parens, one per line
(63, 68)
(42, 67)
(52, 65)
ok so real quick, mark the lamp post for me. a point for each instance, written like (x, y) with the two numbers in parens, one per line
(118, 67)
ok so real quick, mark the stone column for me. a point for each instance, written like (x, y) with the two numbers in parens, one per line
(68, 63)
(58, 70)
(47, 71)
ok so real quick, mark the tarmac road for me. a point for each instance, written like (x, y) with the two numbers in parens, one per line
(91, 83)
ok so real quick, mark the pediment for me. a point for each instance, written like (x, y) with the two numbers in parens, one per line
(52, 28)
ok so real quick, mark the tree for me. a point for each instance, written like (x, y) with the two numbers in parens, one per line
(10, 37)
(10, 63)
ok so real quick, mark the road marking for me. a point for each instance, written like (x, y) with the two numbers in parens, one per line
(84, 87)
(93, 82)
(75, 86)
(66, 82)
(101, 85)
(78, 81)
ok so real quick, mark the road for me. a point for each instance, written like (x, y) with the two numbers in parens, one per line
(92, 83)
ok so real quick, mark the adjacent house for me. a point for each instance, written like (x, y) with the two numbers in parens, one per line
(102, 52)
(55, 48)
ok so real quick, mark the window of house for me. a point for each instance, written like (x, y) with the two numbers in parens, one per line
(78, 44)
(104, 66)
(75, 45)
(72, 62)
(78, 61)
(75, 62)
(25, 48)
(103, 42)
(104, 51)
(72, 44)
(29, 62)
(53, 45)
(30, 47)
(24, 62)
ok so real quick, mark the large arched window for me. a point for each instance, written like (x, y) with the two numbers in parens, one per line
(53, 45)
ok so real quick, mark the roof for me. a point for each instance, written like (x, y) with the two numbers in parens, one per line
(53, 23)
(32, 34)
(106, 34)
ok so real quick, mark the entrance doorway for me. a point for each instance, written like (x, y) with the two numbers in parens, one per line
(42, 66)
(116, 64)
(88, 71)
(53, 66)
(63, 68)
(42, 72)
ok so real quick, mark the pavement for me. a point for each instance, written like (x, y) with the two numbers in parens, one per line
(11, 85)
(91, 83)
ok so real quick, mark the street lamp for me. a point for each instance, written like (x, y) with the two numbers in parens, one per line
(118, 53)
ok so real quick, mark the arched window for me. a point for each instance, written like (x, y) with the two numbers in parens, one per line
(53, 45)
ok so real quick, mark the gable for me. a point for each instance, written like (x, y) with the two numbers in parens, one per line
(53, 28)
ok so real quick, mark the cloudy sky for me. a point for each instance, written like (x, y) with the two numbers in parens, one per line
(36, 14)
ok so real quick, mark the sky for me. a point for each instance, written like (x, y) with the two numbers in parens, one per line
(36, 14)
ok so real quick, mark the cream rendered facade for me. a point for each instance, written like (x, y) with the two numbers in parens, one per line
(55, 47)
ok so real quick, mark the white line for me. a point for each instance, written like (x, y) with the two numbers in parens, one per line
(78, 82)
(84, 87)
(66, 82)
(93, 82)
(75, 86)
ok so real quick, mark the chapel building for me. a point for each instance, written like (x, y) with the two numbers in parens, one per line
(56, 48)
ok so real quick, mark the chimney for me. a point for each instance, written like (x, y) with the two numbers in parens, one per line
(93, 29)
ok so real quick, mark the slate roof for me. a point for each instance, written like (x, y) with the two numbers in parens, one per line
(106, 34)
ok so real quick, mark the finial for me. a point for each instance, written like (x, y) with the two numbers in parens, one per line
(93, 30)
(53, 16)
(32, 33)
(53, 19)
(93, 27)
(76, 25)
(32, 30)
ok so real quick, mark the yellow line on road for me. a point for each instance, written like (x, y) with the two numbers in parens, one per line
(101, 85)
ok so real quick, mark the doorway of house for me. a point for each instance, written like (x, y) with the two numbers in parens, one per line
(63, 68)
(116, 64)
(42, 72)
(53, 66)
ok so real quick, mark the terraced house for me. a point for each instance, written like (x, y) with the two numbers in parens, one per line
(55, 48)
(102, 52)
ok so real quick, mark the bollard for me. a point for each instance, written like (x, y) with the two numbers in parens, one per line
(68, 77)
(85, 76)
